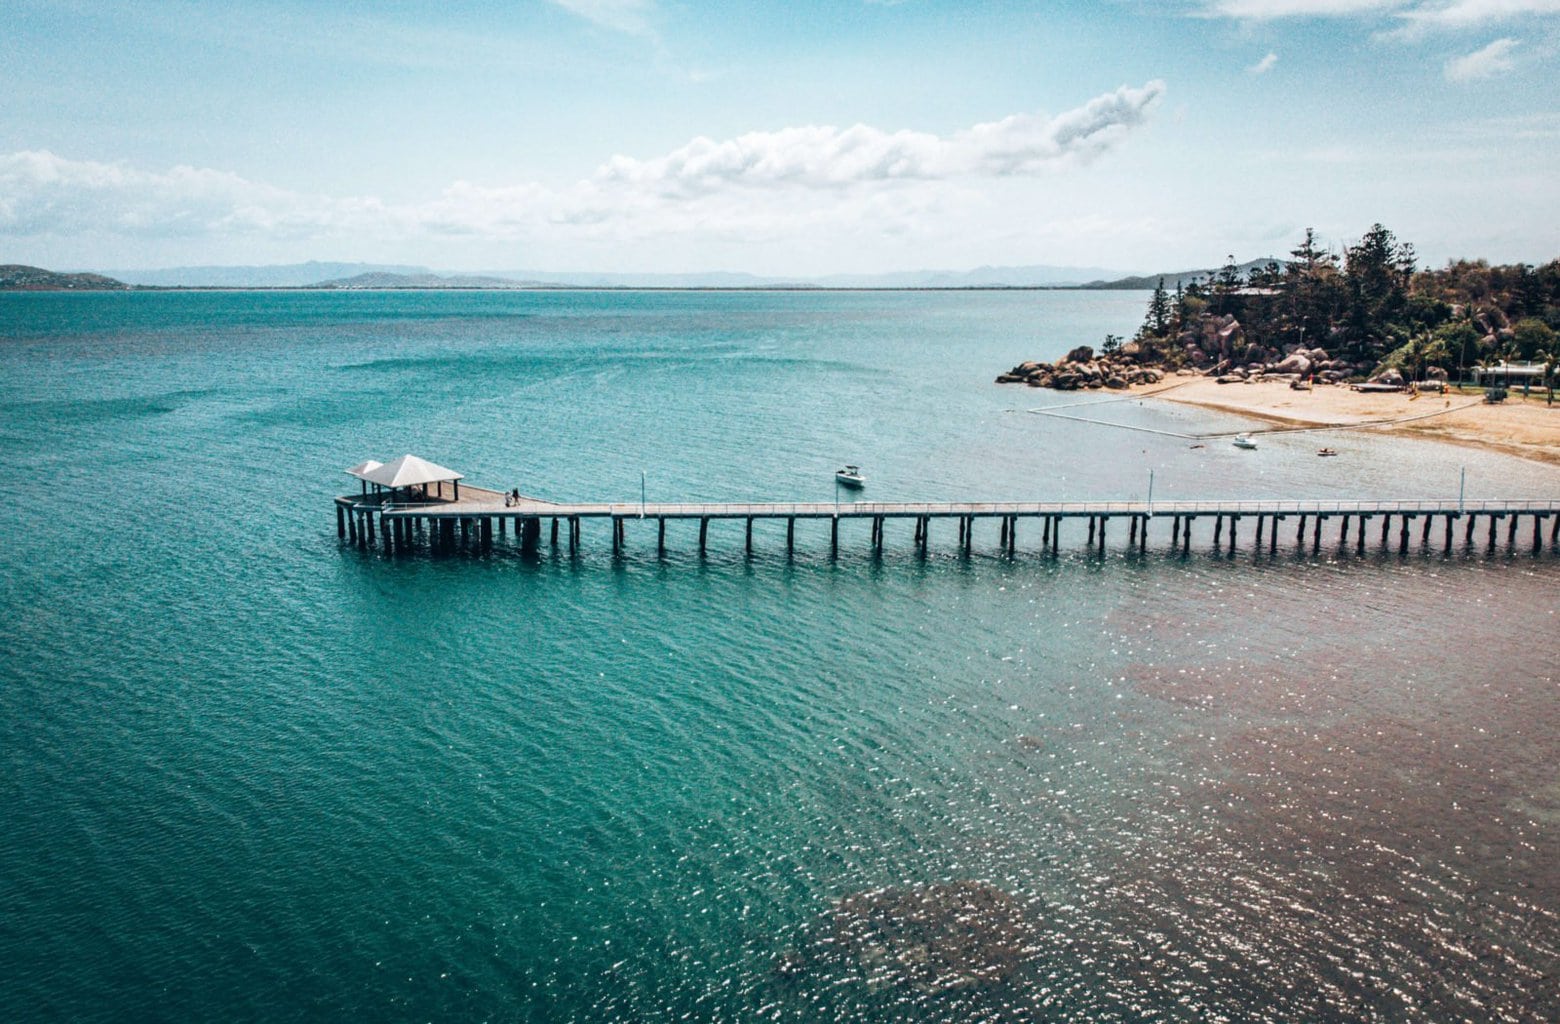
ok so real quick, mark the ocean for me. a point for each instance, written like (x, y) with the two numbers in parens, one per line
(250, 771)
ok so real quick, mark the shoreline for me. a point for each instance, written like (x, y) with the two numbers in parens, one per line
(1525, 429)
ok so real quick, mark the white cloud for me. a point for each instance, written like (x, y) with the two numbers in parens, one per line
(1452, 15)
(758, 185)
(1494, 59)
(49, 194)
(824, 156)
(1264, 65)
(630, 16)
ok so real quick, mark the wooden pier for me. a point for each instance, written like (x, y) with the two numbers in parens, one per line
(1179, 527)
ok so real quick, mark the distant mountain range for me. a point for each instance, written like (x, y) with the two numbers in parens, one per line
(316, 274)
(369, 275)
(290, 275)
(383, 279)
(16, 277)
(1178, 278)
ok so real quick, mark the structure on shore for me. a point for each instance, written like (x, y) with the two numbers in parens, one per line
(408, 515)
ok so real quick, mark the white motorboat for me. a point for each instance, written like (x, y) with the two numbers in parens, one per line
(850, 476)
(1243, 441)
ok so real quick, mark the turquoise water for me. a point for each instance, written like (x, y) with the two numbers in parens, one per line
(248, 771)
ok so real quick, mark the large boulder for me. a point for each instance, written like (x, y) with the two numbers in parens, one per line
(1295, 362)
(1081, 354)
(1391, 376)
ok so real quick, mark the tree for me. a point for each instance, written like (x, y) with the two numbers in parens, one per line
(1461, 341)
(1225, 285)
(1269, 275)
(1159, 311)
(1314, 294)
(1377, 271)
(1531, 336)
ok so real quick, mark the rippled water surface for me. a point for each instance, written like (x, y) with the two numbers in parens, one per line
(249, 771)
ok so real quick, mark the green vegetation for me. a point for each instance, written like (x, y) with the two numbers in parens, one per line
(15, 277)
(1369, 310)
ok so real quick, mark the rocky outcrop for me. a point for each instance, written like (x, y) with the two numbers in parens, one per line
(1070, 374)
(1216, 347)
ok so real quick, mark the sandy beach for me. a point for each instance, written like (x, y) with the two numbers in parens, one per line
(1527, 429)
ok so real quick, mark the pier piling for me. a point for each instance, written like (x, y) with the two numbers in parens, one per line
(399, 529)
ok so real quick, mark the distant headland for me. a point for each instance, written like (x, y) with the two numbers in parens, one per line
(1362, 340)
(15, 277)
(1370, 313)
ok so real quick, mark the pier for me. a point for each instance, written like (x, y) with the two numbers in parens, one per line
(457, 517)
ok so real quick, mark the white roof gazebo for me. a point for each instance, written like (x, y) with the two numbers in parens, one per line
(361, 471)
(410, 471)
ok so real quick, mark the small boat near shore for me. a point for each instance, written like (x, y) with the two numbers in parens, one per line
(1243, 441)
(851, 477)
(1327, 452)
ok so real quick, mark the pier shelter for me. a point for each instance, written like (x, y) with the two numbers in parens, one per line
(402, 475)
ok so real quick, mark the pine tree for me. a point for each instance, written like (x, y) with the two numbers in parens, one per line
(1159, 310)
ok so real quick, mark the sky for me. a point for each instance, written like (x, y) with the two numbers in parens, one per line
(790, 137)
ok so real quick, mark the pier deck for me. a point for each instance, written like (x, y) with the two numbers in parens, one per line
(482, 510)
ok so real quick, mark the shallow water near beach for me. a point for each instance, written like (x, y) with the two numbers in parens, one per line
(251, 771)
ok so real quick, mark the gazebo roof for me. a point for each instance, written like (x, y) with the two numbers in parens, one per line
(408, 471)
(362, 469)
